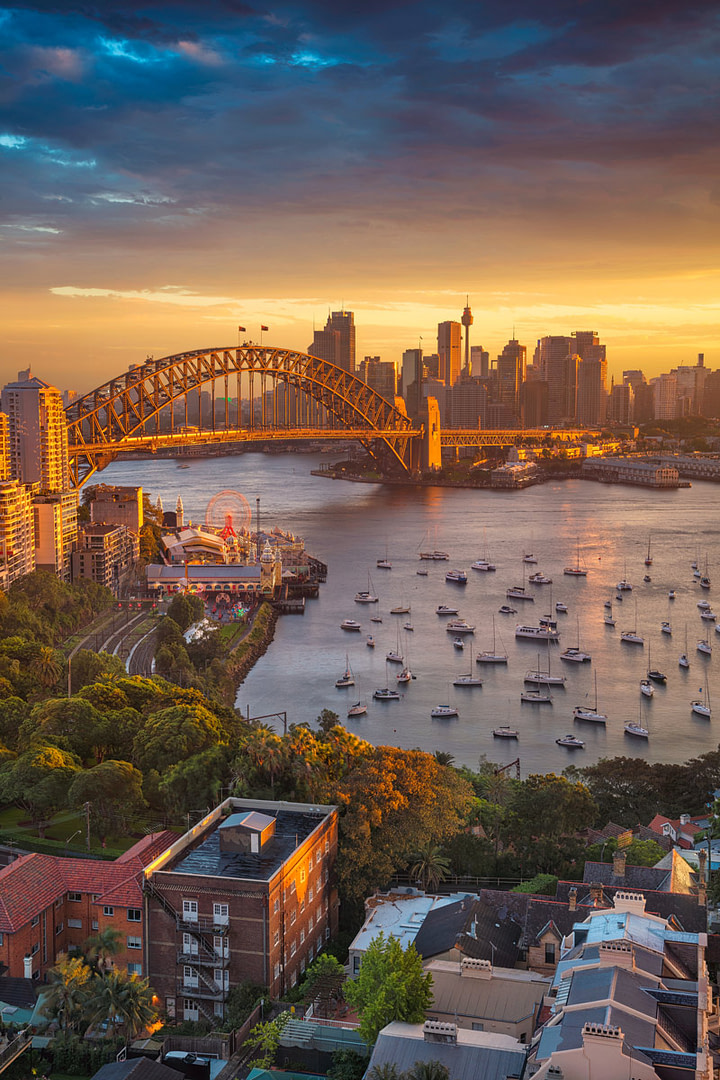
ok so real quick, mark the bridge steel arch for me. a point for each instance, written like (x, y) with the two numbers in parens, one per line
(117, 415)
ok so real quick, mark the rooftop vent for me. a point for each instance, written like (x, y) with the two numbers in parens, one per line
(438, 1031)
(476, 969)
(616, 954)
(629, 901)
(602, 1031)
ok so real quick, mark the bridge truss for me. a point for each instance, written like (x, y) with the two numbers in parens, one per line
(137, 410)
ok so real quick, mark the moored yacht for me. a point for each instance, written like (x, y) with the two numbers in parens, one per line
(458, 577)
(444, 609)
(387, 695)
(459, 626)
(484, 565)
(518, 592)
(537, 633)
(350, 624)
(440, 711)
(571, 741)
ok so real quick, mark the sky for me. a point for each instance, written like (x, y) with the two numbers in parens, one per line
(172, 169)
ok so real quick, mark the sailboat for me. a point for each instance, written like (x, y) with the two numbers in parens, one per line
(536, 697)
(384, 564)
(683, 659)
(653, 673)
(469, 679)
(577, 570)
(646, 688)
(624, 585)
(575, 653)
(492, 656)
(609, 618)
(704, 646)
(581, 712)
(631, 637)
(648, 557)
(639, 730)
(702, 707)
(366, 596)
(517, 592)
(483, 564)
(539, 676)
(358, 709)
(347, 678)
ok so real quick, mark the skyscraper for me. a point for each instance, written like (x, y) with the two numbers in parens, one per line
(479, 361)
(380, 375)
(336, 342)
(449, 345)
(557, 360)
(38, 437)
(511, 374)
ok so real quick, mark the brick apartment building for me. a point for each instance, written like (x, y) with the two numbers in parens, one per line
(248, 893)
(50, 904)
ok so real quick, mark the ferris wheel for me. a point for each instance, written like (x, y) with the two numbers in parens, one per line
(229, 511)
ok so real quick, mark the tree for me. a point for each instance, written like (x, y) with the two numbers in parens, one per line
(68, 993)
(114, 791)
(121, 997)
(391, 985)
(327, 720)
(265, 1038)
(427, 1070)
(88, 666)
(38, 780)
(174, 734)
(388, 1071)
(47, 668)
(101, 947)
(347, 1065)
(430, 866)
(196, 782)
(185, 610)
(91, 734)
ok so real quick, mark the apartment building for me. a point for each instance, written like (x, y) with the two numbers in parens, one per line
(247, 894)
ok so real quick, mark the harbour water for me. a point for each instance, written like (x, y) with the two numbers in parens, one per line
(351, 526)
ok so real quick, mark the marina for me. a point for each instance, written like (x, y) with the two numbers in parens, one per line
(341, 523)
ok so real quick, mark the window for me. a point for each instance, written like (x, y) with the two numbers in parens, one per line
(221, 914)
(292, 889)
(59, 927)
(319, 942)
(302, 876)
(310, 923)
(293, 917)
(190, 910)
(35, 920)
(293, 947)
(75, 897)
(59, 902)
(318, 913)
(276, 971)
(327, 933)
(107, 910)
(134, 969)
(310, 894)
(302, 905)
(276, 906)
(95, 924)
(327, 847)
(276, 938)
(356, 964)
(35, 948)
(221, 946)
(73, 924)
(189, 945)
(327, 874)
(96, 897)
(478, 1027)
(549, 952)
(302, 937)
(134, 914)
(134, 942)
(318, 856)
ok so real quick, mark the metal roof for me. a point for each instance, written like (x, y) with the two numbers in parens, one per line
(476, 1053)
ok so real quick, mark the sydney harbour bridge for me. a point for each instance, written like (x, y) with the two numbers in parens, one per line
(153, 405)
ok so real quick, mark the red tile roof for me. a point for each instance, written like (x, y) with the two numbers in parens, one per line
(149, 847)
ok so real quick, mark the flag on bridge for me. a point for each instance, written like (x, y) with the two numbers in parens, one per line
(264, 328)
(241, 329)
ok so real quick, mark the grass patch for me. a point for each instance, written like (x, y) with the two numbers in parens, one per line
(64, 826)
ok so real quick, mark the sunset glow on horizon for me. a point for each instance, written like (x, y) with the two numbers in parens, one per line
(172, 170)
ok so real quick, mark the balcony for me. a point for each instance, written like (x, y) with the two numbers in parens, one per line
(203, 959)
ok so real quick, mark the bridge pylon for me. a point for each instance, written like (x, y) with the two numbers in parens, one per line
(431, 443)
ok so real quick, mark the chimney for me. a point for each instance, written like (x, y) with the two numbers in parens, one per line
(619, 860)
(702, 880)
(685, 819)
(596, 893)
(572, 896)
(438, 1031)
(629, 901)
(616, 954)
(476, 969)
(27, 967)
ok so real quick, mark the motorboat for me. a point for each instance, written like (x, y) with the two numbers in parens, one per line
(709, 615)
(683, 661)
(370, 641)
(704, 646)
(646, 688)
(458, 577)
(439, 712)
(540, 579)
(536, 697)
(386, 695)
(704, 605)
(608, 604)
(702, 706)
(518, 592)
(638, 730)
(506, 732)
(608, 617)
(444, 609)
(422, 572)
(547, 620)
(576, 655)
(458, 643)
(717, 629)
(394, 658)
(631, 637)
(408, 626)
(434, 556)
(571, 741)
(671, 594)
(507, 610)
(484, 565)
(376, 618)
(648, 557)
(537, 633)
(624, 586)
(560, 607)
(459, 626)
(350, 624)
(405, 675)
(647, 579)
(665, 628)
(657, 676)
(619, 598)
(358, 709)
(400, 609)
(365, 597)
(704, 582)
(384, 564)
(528, 557)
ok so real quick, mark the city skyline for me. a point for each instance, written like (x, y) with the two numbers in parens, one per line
(172, 171)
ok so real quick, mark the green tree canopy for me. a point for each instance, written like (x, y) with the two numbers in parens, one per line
(114, 791)
(38, 780)
(391, 985)
(174, 734)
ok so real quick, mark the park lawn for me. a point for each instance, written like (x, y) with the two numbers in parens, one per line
(62, 828)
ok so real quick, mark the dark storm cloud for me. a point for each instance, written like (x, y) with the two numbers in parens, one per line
(168, 112)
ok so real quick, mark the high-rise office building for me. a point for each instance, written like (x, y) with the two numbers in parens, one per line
(449, 352)
(534, 403)
(666, 392)
(466, 404)
(411, 380)
(56, 532)
(621, 403)
(479, 362)
(557, 361)
(510, 369)
(592, 391)
(38, 437)
(17, 532)
(4, 448)
(380, 375)
(336, 342)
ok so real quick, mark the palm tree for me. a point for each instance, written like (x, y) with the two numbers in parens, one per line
(430, 866)
(46, 667)
(101, 947)
(427, 1070)
(68, 993)
(122, 998)
(388, 1071)
(443, 757)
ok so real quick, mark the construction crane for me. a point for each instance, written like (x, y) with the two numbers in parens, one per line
(504, 768)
